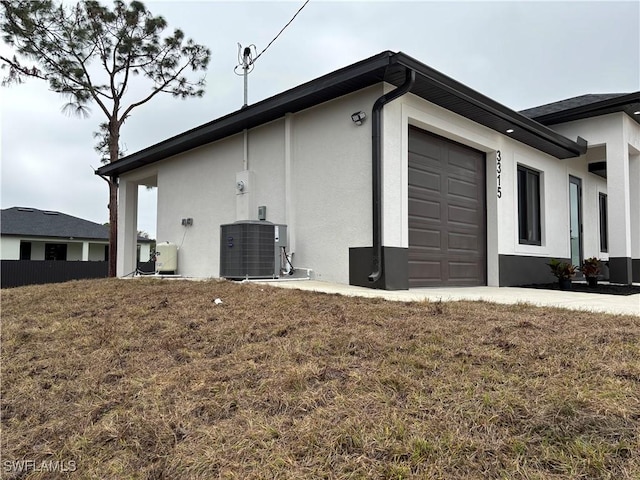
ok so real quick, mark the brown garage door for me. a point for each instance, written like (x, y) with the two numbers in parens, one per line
(447, 216)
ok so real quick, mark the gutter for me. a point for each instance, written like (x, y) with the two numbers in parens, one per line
(492, 107)
(376, 160)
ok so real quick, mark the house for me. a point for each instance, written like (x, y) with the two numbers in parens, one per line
(389, 174)
(32, 234)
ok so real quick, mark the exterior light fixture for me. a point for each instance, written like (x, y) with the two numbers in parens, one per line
(509, 130)
(358, 117)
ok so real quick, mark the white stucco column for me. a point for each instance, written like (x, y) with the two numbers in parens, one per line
(619, 222)
(127, 227)
(85, 251)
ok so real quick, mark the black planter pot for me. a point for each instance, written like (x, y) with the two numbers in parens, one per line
(565, 283)
(592, 281)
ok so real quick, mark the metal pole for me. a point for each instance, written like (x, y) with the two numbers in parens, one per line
(246, 75)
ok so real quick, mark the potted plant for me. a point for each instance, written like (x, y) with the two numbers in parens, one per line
(591, 269)
(563, 271)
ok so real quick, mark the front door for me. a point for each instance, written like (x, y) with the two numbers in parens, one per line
(575, 219)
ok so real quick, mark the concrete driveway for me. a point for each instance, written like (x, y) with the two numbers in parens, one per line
(594, 302)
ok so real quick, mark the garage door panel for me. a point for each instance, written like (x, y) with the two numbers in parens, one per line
(426, 238)
(462, 188)
(419, 209)
(458, 241)
(462, 215)
(467, 271)
(426, 181)
(447, 227)
(425, 147)
(425, 272)
(464, 159)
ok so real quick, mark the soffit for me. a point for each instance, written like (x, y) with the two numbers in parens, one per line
(386, 66)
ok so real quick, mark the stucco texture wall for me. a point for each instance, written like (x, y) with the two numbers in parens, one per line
(502, 212)
(10, 248)
(312, 170)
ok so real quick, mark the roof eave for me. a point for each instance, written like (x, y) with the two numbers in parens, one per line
(604, 107)
(247, 117)
(567, 147)
(359, 75)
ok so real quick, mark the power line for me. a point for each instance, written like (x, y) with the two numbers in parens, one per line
(280, 32)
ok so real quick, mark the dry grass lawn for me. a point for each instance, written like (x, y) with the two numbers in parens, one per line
(150, 379)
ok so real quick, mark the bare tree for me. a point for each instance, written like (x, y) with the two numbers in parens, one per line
(92, 54)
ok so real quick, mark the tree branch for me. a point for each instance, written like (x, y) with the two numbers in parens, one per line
(15, 66)
(152, 94)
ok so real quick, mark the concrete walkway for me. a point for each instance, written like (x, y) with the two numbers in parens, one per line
(594, 302)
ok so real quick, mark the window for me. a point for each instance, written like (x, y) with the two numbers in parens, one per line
(604, 231)
(529, 231)
(25, 250)
(55, 251)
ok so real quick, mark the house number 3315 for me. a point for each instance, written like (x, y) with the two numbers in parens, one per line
(499, 171)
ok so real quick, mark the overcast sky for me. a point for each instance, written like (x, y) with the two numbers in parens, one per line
(522, 54)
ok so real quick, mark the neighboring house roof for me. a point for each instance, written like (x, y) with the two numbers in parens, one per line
(387, 66)
(31, 222)
(585, 106)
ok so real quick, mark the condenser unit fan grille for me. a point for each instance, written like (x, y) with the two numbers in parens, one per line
(247, 250)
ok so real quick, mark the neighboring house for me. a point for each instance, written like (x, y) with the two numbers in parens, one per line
(392, 175)
(32, 234)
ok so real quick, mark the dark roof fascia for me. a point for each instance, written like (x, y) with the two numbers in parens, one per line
(625, 103)
(494, 108)
(252, 116)
(52, 237)
(341, 82)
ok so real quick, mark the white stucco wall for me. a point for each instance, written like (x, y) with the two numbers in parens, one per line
(331, 176)
(312, 170)
(75, 249)
(502, 213)
(620, 136)
(200, 185)
(10, 248)
(37, 250)
(96, 252)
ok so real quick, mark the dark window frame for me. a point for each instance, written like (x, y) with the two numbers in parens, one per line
(603, 214)
(55, 251)
(25, 250)
(529, 206)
